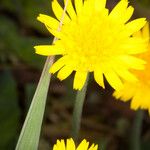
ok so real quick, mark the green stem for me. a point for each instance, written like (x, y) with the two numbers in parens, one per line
(136, 131)
(77, 112)
(30, 133)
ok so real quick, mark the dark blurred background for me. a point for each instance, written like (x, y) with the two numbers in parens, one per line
(105, 121)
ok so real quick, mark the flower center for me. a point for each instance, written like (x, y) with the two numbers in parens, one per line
(95, 41)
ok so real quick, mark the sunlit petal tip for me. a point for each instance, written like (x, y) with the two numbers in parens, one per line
(40, 17)
(79, 80)
(51, 70)
(146, 32)
(64, 72)
(98, 76)
(76, 87)
(95, 147)
(35, 47)
(103, 86)
(38, 50)
(117, 96)
(60, 78)
(59, 12)
(48, 50)
(92, 147)
(54, 1)
(78, 6)
(133, 105)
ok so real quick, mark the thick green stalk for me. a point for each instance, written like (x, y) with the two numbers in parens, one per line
(136, 131)
(77, 112)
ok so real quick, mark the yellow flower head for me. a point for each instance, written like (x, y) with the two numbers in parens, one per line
(70, 145)
(139, 92)
(93, 40)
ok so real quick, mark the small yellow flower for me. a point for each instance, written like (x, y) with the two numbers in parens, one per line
(70, 145)
(139, 92)
(94, 40)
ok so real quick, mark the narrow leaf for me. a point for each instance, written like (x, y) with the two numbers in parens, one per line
(30, 133)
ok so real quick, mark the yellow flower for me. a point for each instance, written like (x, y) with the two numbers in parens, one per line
(139, 92)
(70, 145)
(94, 40)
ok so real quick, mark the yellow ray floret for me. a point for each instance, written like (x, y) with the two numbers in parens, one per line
(139, 91)
(93, 40)
(70, 145)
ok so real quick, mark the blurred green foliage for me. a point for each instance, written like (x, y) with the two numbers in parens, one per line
(18, 30)
(145, 2)
(9, 111)
(17, 47)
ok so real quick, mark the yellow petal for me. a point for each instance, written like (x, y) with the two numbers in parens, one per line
(134, 26)
(117, 94)
(119, 10)
(124, 94)
(55, 147)
(97, 6)
(135, 103)
(93, 147)
(58, 64)
(83, 145)
(48, 50)
(96, 147)
(98, 76)
(126, 97)
(70, 144)
(113, 79)
(62, 145)
(135, 45)
(64, 72)
(48, 21)
(100, 4)
(56, 33)
(133, 62)
(79, 80)
(138, 34)
(70, 9)
(58, 11)
(51, 24)
(58, 145)
(127, 15)
(125, 74)
(146, 32)
(78, 6)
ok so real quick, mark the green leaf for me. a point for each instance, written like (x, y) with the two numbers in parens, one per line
(77, 110)
(30, 133)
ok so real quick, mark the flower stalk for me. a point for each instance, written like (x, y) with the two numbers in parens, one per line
(136, 131)
(77, 111)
